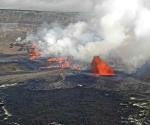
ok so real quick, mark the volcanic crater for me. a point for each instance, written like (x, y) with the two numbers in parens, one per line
(30, 96)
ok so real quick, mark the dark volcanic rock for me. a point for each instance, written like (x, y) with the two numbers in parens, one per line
(54, 82)
(65, 106)
(115, 83)
(77, 99)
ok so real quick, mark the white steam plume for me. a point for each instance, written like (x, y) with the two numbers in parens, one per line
(119, 28)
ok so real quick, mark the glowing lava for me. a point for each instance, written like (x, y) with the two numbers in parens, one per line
(100, 67)
(34, 53)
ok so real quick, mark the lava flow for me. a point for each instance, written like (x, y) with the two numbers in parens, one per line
(98, 66)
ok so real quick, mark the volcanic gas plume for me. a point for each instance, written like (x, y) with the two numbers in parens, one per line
(116, 28)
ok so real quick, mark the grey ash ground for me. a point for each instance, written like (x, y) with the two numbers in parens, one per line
(29, 96)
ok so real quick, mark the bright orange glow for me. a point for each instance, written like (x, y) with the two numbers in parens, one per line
(64, 62)
(34, 53)
(99, 67)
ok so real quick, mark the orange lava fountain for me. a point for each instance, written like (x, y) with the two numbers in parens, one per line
(100, 67)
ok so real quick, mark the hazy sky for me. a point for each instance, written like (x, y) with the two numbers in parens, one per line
(61, 5)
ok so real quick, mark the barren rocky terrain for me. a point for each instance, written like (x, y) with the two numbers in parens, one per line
(30, 96)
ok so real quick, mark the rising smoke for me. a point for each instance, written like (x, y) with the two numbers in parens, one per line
(119, 29)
